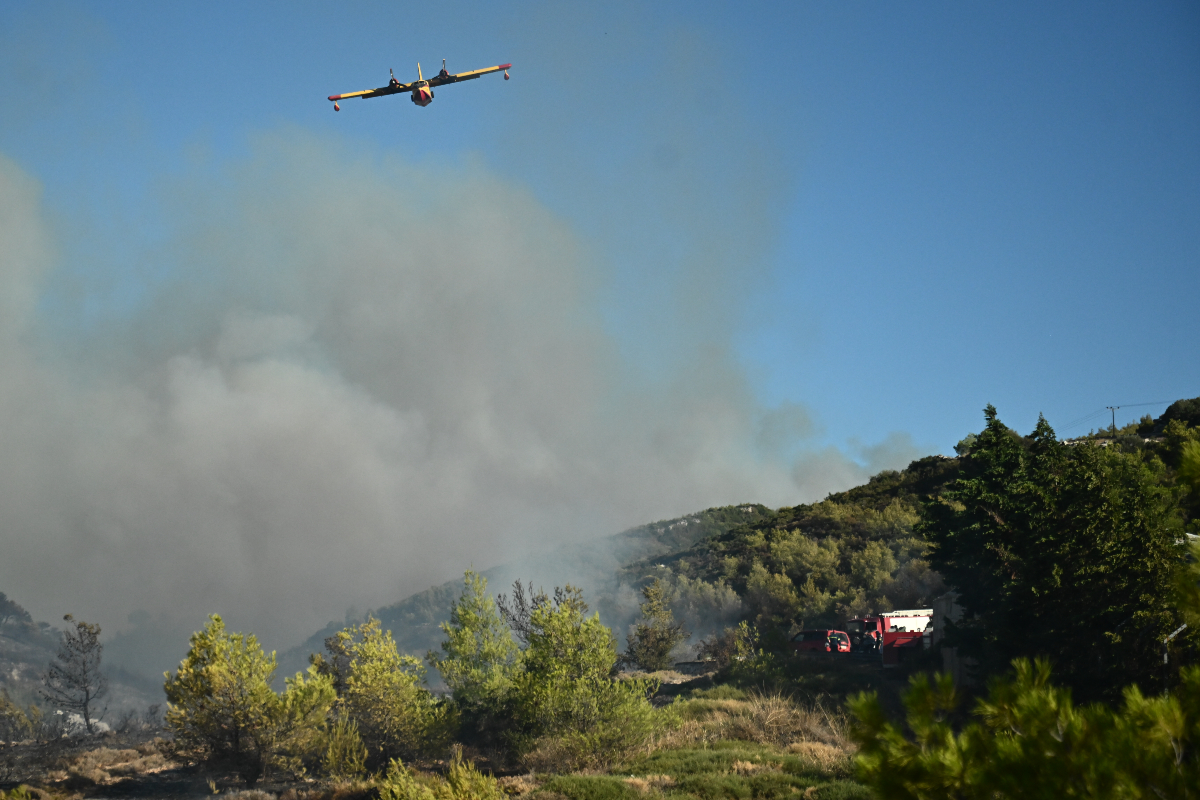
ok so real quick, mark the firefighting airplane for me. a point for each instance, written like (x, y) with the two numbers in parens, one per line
(422, 90)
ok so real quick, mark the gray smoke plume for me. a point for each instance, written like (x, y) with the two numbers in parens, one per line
(359, 377)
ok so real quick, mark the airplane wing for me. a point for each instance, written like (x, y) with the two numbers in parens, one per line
(442, 80)
(438, 80)
(380, 92)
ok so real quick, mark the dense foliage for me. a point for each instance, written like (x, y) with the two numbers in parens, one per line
(384, 694)
(568, 707)
(812, 565)
(17, 723)
(1059, 551)
(594, 565)
(1029, 740)
(462, 781)
(477, 661)
(223, 711)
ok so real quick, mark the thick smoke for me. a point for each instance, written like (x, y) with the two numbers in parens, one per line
(361, 377)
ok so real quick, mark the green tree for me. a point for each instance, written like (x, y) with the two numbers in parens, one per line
(1066, 552)
(653, 640)
(479, 655)
(73, 680)
(567, 704)
(384, 693)
(772, 597)
(1189, 465)
(223, 711)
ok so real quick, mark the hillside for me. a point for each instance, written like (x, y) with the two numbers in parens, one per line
(27, 647)
(852, 552)
(818, 563)
(593, 566)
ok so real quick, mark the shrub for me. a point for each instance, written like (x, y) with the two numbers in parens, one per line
(462, 782)
(16, 724)
(345, 754)
(383, 692)
(338, 790)
(567, 705)
(1029, 739)
(223, 711)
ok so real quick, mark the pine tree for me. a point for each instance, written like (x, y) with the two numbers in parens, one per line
(223, 711)
(479, 656)
(73, 680)
(651, 643)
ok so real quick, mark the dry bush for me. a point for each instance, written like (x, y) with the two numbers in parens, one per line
(551, 754)
(157, 745)
(340, 790)
(697, 721)
(778, 720)
(812, 731)
(647, 783)
(104, 765)
(745, 767)
(822, 756)
(518, 784)
(250, 794)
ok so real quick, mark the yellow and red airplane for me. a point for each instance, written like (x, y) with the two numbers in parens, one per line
(422, 90)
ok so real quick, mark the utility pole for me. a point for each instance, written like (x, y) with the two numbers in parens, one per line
(1113, 409)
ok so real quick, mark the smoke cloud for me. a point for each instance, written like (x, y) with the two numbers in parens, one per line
(359, 377)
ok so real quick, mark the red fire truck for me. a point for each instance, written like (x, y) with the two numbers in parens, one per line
(895, 633)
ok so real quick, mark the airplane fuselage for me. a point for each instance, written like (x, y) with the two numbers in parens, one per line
(422, 95)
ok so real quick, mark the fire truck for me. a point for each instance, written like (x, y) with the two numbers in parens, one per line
(897, 633)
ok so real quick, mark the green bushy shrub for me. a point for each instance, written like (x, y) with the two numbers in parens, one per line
(223, 711)
(345, 754)
(569, 709)
(462, 782)
(384, 693)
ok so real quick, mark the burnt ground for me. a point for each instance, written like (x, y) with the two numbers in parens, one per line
(131, 764)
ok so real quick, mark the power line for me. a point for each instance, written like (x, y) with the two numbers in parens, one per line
(1098, 412)
(1082, 420)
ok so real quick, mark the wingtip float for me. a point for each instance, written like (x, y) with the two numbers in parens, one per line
(421, 90)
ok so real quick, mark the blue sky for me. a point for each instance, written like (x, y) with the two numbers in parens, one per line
(994, 203)
(759, 250)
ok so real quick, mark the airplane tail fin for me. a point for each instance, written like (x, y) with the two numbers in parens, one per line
(420, 77)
